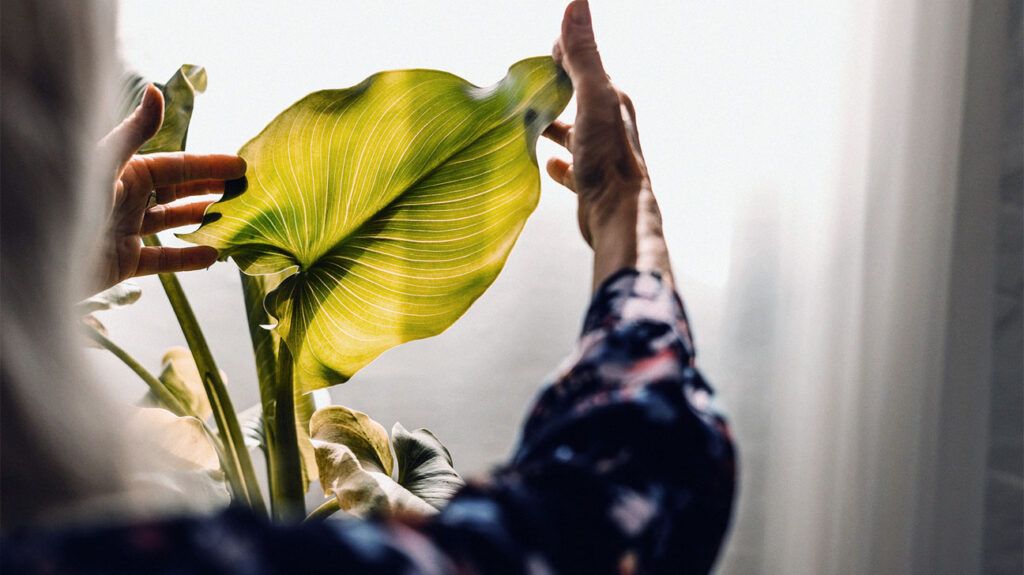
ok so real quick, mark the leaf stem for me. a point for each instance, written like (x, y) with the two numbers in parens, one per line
(155, 385)
(164, 396)
(287, 492)
(236, 454)
(325, 510)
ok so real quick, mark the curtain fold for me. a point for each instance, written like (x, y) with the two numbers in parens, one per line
(857, 390)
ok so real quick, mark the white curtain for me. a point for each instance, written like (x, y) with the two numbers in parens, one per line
(857, 312)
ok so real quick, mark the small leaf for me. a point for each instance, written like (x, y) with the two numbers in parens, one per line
(424, 465)
(367, 439)
(122, 294)
(181, 376)
(393, 204)
(92, 321)
(182, 438)
(359, 491)
(251, 422)
(179, 98)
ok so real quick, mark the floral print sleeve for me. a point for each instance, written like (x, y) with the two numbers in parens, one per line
(622, 468)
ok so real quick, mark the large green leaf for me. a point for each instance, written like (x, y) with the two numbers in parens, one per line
(396, 202)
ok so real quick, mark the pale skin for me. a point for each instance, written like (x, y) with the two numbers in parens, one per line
(618, 214)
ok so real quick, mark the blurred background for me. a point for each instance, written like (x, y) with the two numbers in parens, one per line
(841, 188)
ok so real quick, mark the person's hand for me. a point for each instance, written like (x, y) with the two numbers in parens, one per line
(145, 188)
(618, 215)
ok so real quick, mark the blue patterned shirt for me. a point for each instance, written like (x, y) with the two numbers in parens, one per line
(622, 468)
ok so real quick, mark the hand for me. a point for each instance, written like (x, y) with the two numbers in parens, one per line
(618, 215)
(144, 189)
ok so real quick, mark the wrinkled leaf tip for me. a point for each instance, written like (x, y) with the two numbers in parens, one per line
(173, 353)
(196, 76)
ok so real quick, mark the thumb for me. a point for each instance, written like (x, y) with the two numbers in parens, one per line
(136, 129)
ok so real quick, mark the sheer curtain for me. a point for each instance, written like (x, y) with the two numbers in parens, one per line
(858, 311)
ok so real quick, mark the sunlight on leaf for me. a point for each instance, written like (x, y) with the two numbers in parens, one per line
(363, 492)
(395, 202)
(425, 466)
(366, 438)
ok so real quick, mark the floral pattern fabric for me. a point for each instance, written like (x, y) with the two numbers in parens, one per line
(622, 467)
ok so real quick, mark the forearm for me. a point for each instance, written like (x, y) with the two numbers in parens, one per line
(632, 237)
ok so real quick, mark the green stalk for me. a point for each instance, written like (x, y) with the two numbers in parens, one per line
(287, 494)
(164, 396)
(236, 454)
(325, 510)
(254, 290)
(284, 461)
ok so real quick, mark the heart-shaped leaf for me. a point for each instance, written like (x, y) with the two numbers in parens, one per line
(366, 438)
(179, 98)
(362, 492)
(425, 467)
(396, 202)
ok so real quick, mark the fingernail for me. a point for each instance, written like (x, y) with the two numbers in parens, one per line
(580, 12)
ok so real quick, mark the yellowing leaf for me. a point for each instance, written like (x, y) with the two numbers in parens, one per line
(395, 202)
(359, 491)
(367, 439)
(182, 439)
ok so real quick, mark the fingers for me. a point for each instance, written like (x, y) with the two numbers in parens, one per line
(168, 194)
(562, 172)
(160, 218)
(560, 133)
(136, 129)
(158, 260)
(179, 167)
